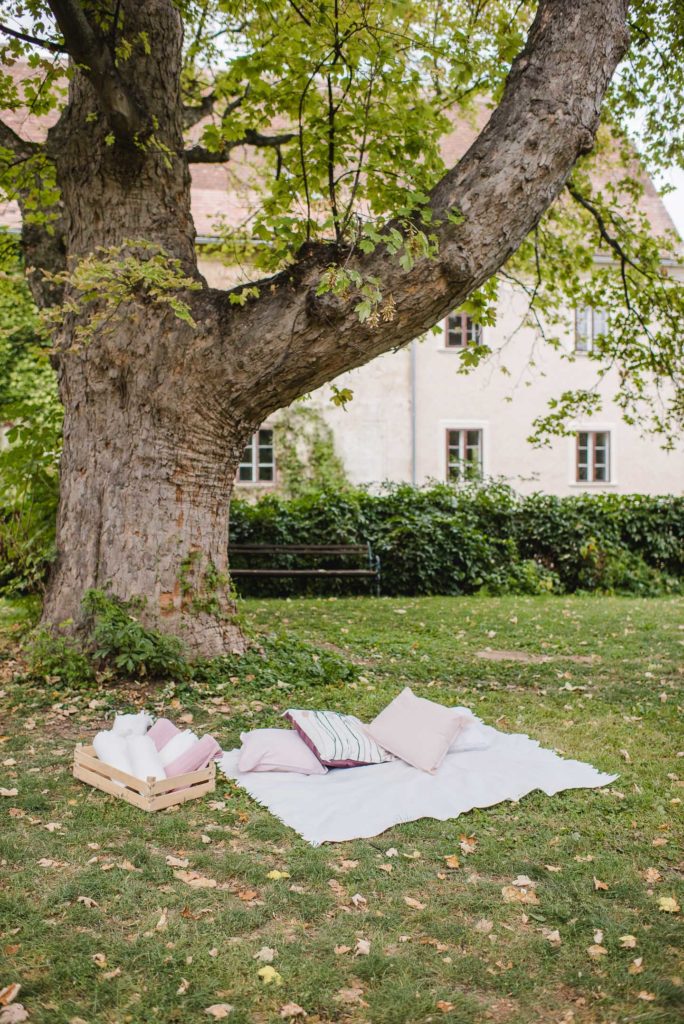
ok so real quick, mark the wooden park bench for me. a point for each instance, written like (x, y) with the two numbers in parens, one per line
(309, 552)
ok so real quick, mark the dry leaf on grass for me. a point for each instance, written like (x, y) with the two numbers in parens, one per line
(9, 993)
(177, 862)
(386, 867)
(14, 1014)
(126, 865)
(195, 880)
(270, 976)
(553, 868)
(600, 886)
(219, 1011)
(99, 959)
(348, 865)
(362, 947)
(351, 996)
(484, 926)
(52, 826)
(266, 955)
(468, 844)
(660, 841)
(213, 952)
(275, 875)
(636, 966)
(669, 905)
(414, 904)
(392, 852)
(341, 950)
(359, 901)
(647, 997)
(552, 936)
(248, 895)
(183, 987)
(452, 861)
(290, 1010)
(596, 951)
(652, 875)
(598, 936)
(9, 792)
(416, 855)
(444, 1006)
(628, 941)
(163, 921)
(109, 975)
(515, 894)
(87, 901)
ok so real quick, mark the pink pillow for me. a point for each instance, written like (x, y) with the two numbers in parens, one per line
(277, 750)
(416, 730)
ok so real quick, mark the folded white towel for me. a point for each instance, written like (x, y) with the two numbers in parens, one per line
(113, 750)
(176, 746)
(145, 759)
(132, 725)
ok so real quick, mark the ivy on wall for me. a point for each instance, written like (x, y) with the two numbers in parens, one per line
(305, 453)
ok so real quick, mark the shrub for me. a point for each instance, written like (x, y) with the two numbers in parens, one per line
(445, 540)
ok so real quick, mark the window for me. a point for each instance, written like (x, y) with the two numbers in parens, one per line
(463, 455)
(258, 459)
(461, 330)
(590, 324)
(593, 456)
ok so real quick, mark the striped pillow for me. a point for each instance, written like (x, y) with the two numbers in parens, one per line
(338, 741)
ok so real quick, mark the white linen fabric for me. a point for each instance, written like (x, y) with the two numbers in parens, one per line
(363, 802)
(113, 750)
(145, 759)
(473, 735)
(132, 725)
(177, 745)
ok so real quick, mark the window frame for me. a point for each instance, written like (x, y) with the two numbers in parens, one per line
(463, 446)
(591, 464)
(465, 320)
(254, 445)
(593, 316)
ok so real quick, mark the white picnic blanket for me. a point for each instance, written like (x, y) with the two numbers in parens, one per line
(354, 803)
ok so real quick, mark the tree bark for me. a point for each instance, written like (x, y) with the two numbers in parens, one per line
(157, 412)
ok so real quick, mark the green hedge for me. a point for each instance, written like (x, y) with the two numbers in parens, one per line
(441, 540)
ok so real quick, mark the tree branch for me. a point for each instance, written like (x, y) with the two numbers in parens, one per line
(90, 51)
(22, 148)
(298, 339)
(200, 155)
(45, 44)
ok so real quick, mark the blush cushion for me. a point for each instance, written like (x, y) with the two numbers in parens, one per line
(277, 750)
(337, 740)
(417, 730)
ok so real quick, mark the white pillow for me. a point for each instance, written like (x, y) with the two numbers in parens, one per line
(277, 750)
(417, 730)
(473, 735)
(337, 740)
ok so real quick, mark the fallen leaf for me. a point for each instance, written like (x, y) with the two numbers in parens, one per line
(552, 936)
(52, 826)
(669, 905)
(266, 955)
(652, 875)
(275, 875)
(392, 852)
(247, 895)
(513, 894)
(597, 951)
(484, 926)
(660, 841)
(350, 996)
(219, 1010)
(414, 904)
(553, 869)
(47, 862)
(126, 865)
(523, 882)
(636, 966)
(87, 901)
(112, 974)
(213, 952)
(177, 862)
(598, 936)
(416, 855)
(386, 867)
(99, 959)
(9, 993)
(599, 885)
(14, 1014)
(362, 947)
(183, 987)
(341, 950)
(628, 941)
(444, 1006)
(163, 921)
(468, 844)
(452, 861)
(9, 792)
(195, 880)
(647, 997)
(205, 839)
(586, 859)
(270, 976)
(348, 865)
(290, 1010)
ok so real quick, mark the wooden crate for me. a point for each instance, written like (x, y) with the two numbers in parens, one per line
(148, 795)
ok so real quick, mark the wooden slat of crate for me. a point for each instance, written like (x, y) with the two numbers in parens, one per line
(147, 795)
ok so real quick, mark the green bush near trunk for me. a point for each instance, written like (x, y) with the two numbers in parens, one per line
(442, 540)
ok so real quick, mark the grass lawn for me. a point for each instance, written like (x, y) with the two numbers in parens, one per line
(96, 927)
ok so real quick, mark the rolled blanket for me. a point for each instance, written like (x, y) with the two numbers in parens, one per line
(112, 749)
(176, 746)
(145, 759)
(162, 731)
(132, 725)
(197, 756)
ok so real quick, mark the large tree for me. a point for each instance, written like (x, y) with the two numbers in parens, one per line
(368, 239)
